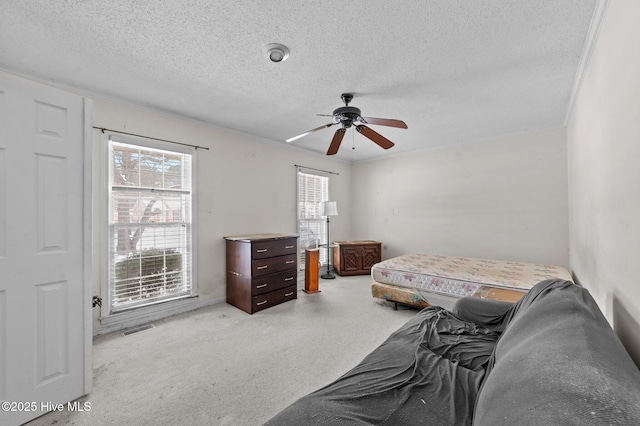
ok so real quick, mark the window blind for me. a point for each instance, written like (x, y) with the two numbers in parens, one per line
(313, 189)
(150, 225)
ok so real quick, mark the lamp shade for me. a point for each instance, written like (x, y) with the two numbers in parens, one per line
(329, 208)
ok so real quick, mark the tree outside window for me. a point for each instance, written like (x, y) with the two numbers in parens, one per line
(150, 225)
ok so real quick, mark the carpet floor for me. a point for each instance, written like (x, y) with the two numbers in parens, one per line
(220, 366)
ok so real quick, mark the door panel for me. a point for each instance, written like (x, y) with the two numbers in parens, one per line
(42, 290)
(51, 335)
(52, 203)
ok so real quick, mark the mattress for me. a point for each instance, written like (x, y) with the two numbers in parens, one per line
(462, 276)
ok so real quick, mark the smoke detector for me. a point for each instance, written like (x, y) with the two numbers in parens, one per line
(276, 52)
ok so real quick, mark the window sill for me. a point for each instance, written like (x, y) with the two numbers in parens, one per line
(143, 315)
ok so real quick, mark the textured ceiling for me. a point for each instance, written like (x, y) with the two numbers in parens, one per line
(454, 71)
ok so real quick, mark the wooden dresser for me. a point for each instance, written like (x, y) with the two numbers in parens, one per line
(262, 270)
(356, 257)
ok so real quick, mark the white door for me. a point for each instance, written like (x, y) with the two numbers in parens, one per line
(42, 291)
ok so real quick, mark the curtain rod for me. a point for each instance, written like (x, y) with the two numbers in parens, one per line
(318, 170)
(148, 137)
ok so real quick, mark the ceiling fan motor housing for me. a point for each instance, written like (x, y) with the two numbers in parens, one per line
(346, 115)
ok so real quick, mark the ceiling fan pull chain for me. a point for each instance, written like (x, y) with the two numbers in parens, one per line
(353, 139)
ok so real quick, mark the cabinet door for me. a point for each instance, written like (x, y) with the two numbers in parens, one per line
(359, 258)
(350, 259)
(370, 256)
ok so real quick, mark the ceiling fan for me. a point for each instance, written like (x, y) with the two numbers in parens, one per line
(349, 116)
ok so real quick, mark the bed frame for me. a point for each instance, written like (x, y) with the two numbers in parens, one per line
(422, 299)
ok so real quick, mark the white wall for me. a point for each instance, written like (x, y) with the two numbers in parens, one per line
(502, 199)
(244, 185)
(603, 136)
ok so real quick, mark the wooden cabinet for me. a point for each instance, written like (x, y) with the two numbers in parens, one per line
(262, 270)
(356, 257)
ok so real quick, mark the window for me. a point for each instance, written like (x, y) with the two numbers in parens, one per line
(150, 225)
(313, 189)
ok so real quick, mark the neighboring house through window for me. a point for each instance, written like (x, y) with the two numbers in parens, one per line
(150, 223)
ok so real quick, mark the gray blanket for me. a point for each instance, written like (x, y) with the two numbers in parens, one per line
(559, 362)
(427, 372)
(551, 358)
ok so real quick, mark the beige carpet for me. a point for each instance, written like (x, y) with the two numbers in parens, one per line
(221, 366)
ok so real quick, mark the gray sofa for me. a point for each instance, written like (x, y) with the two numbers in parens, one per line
(551, 358)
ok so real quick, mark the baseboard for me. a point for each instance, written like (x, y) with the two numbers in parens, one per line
(119, 322)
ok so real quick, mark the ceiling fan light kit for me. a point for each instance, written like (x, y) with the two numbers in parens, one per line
(349, 116)
(276, 52)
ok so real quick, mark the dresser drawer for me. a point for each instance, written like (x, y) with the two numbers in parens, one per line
(274, 264)
(264, 249)
(273, 282)
(267, 300)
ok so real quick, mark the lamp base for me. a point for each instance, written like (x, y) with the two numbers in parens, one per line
(328, 276)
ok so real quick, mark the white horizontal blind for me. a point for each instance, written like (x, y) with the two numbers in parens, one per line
(313, 189)
(150, 225)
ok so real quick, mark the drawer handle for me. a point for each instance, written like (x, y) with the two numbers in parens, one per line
(261, 303)
(261, 286)
(289, 262)
(288, 279)
(288, 247)
(287, 295)
(261, 250)
(262, 267)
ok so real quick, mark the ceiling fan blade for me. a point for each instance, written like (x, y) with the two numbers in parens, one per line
(391, 122)
(310, 131)
(336, 141)
(375, 136)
